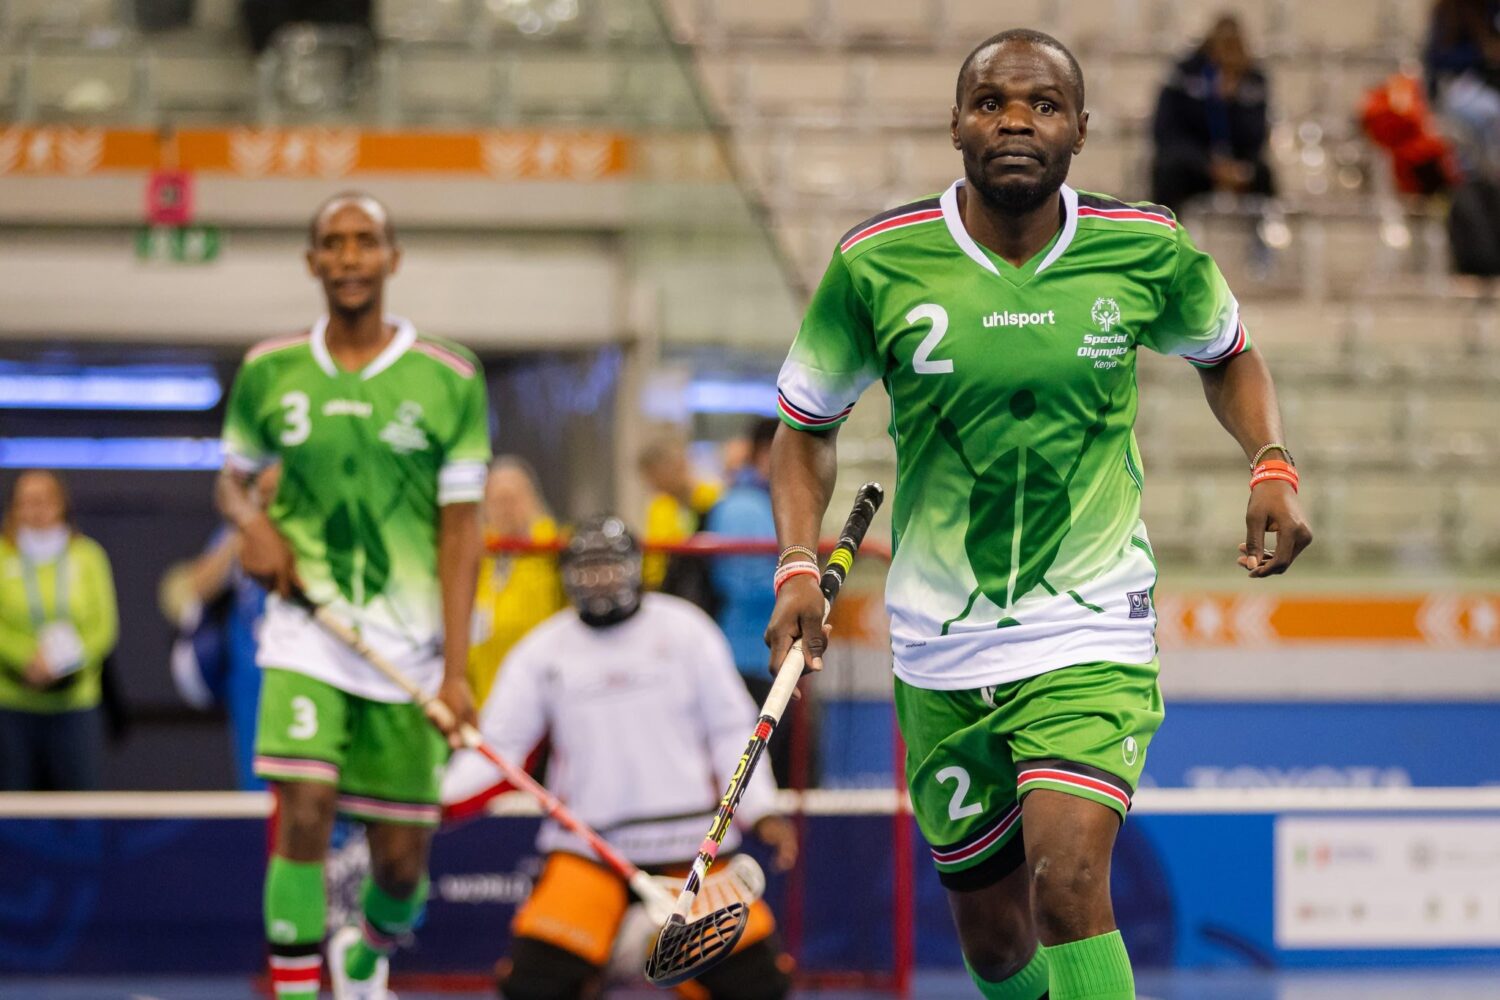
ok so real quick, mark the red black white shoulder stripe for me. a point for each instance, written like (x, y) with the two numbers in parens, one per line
(444, 355)
(276, 344)
(807, 418)
(913, 214)
(1097, 206)
(1237, 345)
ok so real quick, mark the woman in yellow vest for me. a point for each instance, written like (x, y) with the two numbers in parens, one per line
(58, 621)
(516, 589)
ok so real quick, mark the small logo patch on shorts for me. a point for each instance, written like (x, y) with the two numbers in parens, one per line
(1140, 603)
(1130, 750)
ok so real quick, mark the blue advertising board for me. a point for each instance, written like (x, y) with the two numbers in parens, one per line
(116, 896)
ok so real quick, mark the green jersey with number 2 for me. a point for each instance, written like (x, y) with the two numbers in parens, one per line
(1016, 518)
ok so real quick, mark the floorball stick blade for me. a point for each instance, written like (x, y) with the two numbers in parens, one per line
(685, 950)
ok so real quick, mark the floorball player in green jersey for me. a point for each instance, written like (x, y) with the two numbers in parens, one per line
(1004, 317)
(383, 438)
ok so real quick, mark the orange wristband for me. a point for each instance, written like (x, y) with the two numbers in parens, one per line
(791, 569)
(1283, 471)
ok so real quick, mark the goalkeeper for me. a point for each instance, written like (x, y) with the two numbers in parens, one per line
(646, 717)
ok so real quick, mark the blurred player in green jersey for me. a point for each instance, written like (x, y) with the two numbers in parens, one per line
(383, 438)
(1004, 319)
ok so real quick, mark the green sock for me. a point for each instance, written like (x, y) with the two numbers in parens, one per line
(1028, 984)
(386, 918)
(1096, 968)
(295, 917)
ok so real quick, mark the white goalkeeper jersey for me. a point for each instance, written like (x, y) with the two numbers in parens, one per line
(646, 718)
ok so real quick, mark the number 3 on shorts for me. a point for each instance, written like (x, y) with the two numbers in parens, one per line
(956, 808)
(305, 720)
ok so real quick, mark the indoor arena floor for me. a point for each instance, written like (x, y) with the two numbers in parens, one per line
(1470, 984)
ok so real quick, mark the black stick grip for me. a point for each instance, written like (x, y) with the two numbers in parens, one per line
(866, 502)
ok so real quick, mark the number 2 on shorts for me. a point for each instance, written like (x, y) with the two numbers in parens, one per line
(956, 808)
(305, 720)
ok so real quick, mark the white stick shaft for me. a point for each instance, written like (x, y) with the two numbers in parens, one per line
(785, 683)
(351, 638)
(658, 900)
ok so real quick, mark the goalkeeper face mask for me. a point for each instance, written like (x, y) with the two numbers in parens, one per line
(601, 571)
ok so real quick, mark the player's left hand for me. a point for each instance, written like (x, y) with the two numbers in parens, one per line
(778, 833)
(453, 709)
(1273, 508)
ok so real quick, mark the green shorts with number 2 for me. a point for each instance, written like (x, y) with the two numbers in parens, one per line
(385, 759)
(971, 756)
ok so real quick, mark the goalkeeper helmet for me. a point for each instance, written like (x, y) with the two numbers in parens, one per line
(601, 571)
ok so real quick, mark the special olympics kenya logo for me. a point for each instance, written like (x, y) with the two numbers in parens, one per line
(1106, 313)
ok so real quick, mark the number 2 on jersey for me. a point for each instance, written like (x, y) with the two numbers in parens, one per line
(298, 423)
(960, 778)
(921, 362)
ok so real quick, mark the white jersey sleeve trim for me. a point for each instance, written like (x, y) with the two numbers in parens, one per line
(1227, 344)
(811, 398)
(461, 482)
(242, 461)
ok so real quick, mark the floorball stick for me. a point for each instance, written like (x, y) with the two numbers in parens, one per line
(683, 949)
(743, 885)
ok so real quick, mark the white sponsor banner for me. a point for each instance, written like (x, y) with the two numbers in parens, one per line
(1387, 883)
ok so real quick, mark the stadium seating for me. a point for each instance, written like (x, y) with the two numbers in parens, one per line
(837, 109)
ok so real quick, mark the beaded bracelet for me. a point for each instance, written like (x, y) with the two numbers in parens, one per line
(796, 550)
(1274, 446)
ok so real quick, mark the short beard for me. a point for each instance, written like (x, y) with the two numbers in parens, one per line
(1018, 198)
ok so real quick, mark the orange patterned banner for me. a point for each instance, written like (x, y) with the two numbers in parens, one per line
(1438, 620)
(315, 152)
(76, 152)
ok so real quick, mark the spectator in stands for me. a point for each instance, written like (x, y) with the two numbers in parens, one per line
(1462, 61)
(517, 589)
(746, 598)
(263, 18)
(1211, 125)
(216, 608)
(678, 502)
(58, 621)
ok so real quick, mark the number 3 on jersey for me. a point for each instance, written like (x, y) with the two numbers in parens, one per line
(298, 423)
(921, 362)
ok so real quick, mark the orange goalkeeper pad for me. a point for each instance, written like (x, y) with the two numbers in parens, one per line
(577, 905)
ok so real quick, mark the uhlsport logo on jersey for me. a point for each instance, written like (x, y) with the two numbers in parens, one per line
(402, 433)
(994, 319)
(1106, 314)
(1130, 751)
